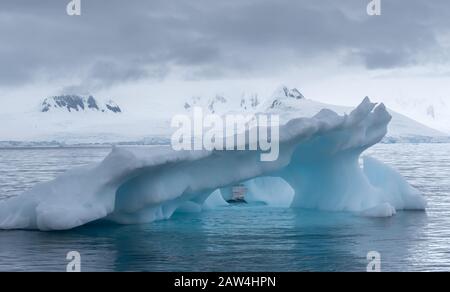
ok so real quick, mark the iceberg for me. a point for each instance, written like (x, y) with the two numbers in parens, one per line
(318, 168)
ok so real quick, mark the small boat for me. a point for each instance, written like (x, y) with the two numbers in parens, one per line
(238, 194)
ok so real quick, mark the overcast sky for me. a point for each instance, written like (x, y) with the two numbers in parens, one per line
(118, 43)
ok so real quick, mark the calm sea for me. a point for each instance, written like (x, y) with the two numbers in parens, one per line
(239, 238)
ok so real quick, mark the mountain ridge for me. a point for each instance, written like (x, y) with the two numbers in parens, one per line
(76, 103)
(147, 120)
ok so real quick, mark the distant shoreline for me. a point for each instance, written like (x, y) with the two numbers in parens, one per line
(26, 145)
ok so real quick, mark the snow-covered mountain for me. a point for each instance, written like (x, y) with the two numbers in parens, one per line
(401, 128)
(290, 103)
(434, 112)
(222, 105)
(75, 103)
(73, 119)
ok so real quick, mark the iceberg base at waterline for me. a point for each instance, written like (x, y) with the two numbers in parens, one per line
(318, 168)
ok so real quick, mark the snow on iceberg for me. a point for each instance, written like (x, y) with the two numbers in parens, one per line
(318, 168)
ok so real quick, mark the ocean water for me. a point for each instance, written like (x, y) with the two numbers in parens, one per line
(239, 238)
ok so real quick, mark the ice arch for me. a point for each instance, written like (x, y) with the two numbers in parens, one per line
(318, 159)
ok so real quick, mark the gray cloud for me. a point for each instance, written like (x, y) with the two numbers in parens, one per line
(116, 41)
(116, 72)
(384, 59)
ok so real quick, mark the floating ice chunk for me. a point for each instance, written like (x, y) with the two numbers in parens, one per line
(317, 168)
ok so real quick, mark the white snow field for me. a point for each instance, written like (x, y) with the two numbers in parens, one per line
(318, 163)
(147, 120)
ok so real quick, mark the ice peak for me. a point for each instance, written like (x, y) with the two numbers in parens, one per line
(285, 92)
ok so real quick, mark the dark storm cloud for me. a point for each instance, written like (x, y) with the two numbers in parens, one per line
(118, 41)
